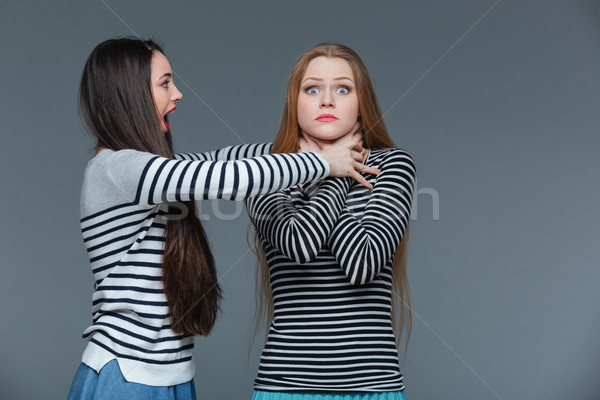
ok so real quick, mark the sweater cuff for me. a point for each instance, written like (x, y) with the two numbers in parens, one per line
(324, 163)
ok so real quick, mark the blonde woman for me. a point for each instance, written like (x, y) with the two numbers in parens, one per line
(332, 253)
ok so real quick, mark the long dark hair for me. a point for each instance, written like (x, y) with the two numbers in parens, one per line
(115, 101)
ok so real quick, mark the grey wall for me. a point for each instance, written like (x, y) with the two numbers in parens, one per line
(503, 125)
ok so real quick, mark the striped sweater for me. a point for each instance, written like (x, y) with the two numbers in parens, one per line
(124, 202)
(330, 247)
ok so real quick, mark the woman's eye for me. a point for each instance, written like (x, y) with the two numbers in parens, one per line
(312, 90)
(343, 90)
(165, 84)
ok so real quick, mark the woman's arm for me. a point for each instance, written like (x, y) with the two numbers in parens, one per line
(363, 247)
(146, 178)
(299, 233)
(228, 153)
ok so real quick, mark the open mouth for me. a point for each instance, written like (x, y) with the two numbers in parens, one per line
(166, 120)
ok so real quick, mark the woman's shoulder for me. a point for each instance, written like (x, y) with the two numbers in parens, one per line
(110, 161)
(107, 155)
(121, 168)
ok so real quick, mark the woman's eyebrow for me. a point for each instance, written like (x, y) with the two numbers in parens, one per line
(166, 74)
(341, 78)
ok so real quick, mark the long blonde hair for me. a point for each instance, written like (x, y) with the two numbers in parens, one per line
(375, 137)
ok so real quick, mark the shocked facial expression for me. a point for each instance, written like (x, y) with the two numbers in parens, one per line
(164, 92)
(327, 101)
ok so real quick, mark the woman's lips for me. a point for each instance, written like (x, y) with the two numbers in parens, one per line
(326, 118)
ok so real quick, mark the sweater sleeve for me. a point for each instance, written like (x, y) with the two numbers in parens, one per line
(146, 178)
(299, 233)
(363, 247)
(229, 153)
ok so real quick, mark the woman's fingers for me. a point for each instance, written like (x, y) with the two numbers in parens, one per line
(352, 143)
(361, 179)
(357, 146)
(344, 162)
(364, 169)
(357, 156)
(360, 156)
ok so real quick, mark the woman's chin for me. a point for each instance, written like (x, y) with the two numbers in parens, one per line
(325, 135)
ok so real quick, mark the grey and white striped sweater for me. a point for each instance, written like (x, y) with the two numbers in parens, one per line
(124, 202)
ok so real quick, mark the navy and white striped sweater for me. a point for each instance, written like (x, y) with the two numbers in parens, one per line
(330, 247)
(124, 202)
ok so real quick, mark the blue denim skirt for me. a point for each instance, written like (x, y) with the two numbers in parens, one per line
(261, 395)
(110, 384)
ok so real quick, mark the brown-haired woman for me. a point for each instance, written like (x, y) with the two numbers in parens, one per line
(155, 280)
(333, 253)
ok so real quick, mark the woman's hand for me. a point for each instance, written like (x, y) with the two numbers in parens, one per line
(345, 155)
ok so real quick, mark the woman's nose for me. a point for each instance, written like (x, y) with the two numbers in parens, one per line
(327, 100)
(176, 94)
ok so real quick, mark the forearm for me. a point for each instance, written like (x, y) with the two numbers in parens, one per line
(151, 179)
(363, 246)
(171, 180)
(299, 233)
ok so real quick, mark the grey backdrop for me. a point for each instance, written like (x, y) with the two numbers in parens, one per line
(496, 101)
